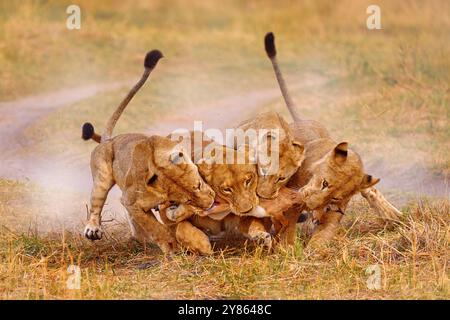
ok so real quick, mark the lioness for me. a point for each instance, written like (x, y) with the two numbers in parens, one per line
(150, 171)
(330, 174)
(230, 173)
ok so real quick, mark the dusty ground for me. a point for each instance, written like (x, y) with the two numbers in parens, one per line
(386, 93)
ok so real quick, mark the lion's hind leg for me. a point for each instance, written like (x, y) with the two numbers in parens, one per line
(328, 225)
(146, 228)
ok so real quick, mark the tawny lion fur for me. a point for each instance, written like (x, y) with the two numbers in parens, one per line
(330, 174)
(150, 171)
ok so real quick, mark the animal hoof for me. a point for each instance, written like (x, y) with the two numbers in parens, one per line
(93, 232)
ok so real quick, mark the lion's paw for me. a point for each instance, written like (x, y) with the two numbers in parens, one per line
(93, 232)
(173, 213)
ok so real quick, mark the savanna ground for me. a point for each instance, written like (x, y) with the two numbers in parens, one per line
(385, 91)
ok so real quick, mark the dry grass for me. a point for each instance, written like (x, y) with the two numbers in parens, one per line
(412, 256)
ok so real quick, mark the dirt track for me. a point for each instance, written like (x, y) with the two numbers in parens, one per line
(16, 116)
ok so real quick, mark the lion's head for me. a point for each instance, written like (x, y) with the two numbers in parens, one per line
(172, 175)
(333, 178)
(234, 181)
(290, 159)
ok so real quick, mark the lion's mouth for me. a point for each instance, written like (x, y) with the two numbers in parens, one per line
(156, 212)
(155, 209)
(214, 205)
(218, 210)
(335, 200)
(218, 207)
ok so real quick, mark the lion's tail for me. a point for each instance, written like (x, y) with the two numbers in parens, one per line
(151, 59)
(269, 44)
(88, 132)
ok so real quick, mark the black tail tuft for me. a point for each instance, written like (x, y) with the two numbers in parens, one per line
(87, 131)
(152, 58)
(269, 43)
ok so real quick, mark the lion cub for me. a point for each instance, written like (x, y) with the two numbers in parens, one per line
(150, 171)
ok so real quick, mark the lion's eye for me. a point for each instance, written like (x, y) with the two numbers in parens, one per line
(152, 180)
(227, 190)
(177, 157)
(199, 185)
(324, 184)
(281, 179)
(248, 182)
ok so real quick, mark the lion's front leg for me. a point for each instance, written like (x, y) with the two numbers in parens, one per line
(103, 182)
(171, 213)
(252, 228)
(193, 238)
(146, 228)
(288, 234)
(328, 225)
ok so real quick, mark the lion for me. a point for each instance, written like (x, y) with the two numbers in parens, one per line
(330, 174)
(232, 180)
(150, 171)
(327, 173)
(234, 185)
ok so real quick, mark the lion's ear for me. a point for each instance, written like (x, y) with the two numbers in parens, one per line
(299, 150)
(340, 152)
(369, 181)
(205, 168)
(297, 145)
